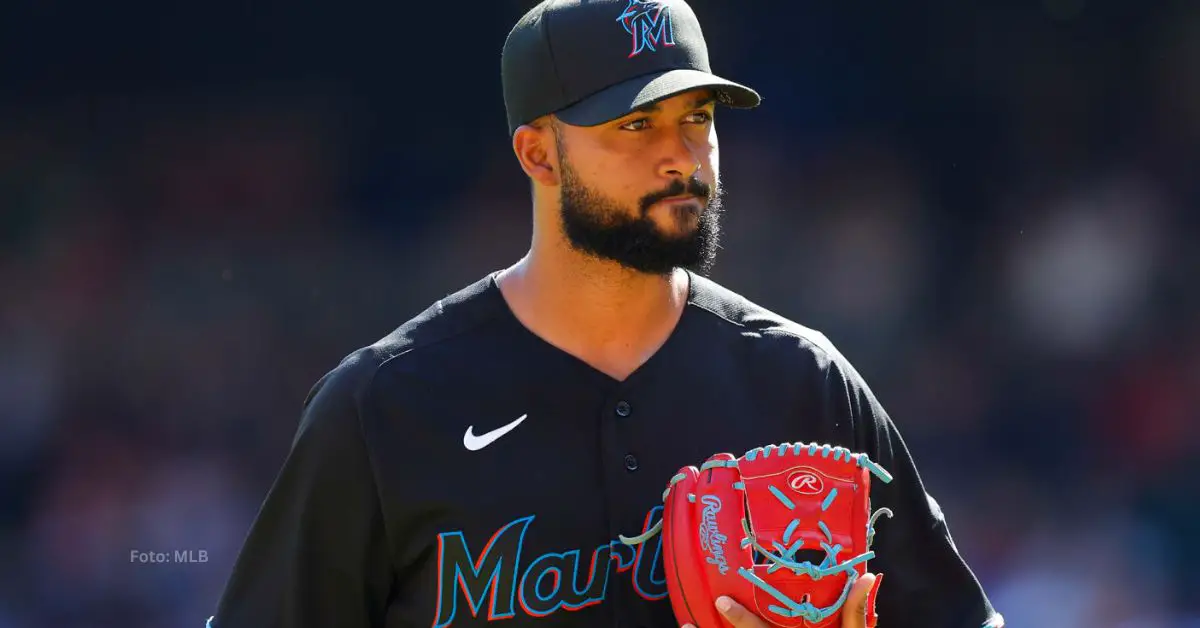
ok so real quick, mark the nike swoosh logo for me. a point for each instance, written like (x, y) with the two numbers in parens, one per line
(475, 443)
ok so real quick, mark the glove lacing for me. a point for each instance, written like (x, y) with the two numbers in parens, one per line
(784, 557)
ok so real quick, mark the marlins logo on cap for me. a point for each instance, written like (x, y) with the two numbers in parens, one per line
(649, 23)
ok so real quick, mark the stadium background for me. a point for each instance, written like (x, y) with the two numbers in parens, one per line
(991, 206)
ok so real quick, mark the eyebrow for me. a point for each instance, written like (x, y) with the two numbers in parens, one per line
(699, 102)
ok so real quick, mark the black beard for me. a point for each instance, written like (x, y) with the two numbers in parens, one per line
(599, 226)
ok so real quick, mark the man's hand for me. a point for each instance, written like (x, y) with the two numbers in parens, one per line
(854, 613)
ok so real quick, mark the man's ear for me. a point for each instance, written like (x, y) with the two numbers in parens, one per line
(537, 152)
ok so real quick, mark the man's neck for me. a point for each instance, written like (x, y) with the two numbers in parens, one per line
(604, 314)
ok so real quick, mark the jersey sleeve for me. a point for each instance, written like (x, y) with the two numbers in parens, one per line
(927, 582)
(316, 554)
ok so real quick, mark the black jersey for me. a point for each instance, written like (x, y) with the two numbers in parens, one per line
(463, 471)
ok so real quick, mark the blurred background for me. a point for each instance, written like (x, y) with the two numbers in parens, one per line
(990, 206)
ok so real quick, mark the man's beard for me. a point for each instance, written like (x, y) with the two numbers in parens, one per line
(601, 227)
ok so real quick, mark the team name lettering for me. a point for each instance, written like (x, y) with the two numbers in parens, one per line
(501, 578)
(711, 539)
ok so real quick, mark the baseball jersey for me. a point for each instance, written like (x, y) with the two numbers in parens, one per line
(462, 471)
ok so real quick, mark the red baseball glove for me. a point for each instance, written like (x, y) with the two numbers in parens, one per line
(785, 530)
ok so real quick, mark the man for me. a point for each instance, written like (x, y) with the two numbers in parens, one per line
(481, 462)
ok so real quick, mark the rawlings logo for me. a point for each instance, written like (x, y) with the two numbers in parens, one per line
(649, 23)
(711, 539)
(806, 482)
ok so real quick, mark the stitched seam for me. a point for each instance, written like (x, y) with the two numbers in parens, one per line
(366, 400)
(545, 27)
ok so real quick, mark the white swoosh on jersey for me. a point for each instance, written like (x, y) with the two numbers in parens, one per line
(475, 443)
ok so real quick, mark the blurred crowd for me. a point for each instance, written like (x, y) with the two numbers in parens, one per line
(993, 211)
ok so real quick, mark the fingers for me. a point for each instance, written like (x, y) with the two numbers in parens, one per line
(854, 615)
(736, 614)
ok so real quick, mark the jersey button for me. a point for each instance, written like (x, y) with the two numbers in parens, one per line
(623, 409)
(631, 462)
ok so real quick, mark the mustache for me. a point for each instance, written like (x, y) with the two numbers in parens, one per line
(693, 186)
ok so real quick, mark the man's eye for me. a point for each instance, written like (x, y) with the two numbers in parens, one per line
(700, 117)
(636, 125)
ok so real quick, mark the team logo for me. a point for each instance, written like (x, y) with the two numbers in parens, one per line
(502, 578)
(806, 482)
(649, 23)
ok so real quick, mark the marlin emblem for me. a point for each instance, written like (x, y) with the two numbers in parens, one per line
(648, 22)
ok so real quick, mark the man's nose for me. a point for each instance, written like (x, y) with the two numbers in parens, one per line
(680, 159)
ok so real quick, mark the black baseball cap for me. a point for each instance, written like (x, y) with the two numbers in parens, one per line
(592, 61)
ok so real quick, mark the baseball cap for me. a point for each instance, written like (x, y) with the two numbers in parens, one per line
(592, 61)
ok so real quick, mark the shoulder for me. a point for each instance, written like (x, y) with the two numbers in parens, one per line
(449, 319)
(792, 361)
(769, 333)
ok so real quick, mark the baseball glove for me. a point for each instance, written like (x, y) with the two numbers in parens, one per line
(785, 530)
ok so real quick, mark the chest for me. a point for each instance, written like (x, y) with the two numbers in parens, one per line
(511, 504)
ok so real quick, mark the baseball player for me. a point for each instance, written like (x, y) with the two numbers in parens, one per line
(480, 463)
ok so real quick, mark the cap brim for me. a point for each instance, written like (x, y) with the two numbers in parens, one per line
(620, 99)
